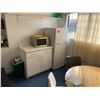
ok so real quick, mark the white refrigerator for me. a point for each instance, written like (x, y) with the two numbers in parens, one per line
(58, 39)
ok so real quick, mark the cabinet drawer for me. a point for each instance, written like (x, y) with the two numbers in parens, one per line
(32, 54)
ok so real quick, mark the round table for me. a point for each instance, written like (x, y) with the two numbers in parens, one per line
(90, 75)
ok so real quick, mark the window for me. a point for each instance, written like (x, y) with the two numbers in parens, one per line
(71, 24)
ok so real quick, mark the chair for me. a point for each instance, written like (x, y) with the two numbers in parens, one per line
(51, 80)
(73, 61)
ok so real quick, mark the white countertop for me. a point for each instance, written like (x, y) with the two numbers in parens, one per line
(29, 48)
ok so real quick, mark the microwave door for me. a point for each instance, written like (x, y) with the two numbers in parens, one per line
(41, 42)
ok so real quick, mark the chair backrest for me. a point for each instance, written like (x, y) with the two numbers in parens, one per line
(51, 80)
(73, 61)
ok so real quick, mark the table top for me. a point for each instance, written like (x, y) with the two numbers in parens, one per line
(29, 48)
(90, 74)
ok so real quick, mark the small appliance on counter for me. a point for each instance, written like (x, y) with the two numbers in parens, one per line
(39, 40)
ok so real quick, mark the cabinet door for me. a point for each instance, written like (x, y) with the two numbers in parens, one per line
(33, 64)
(46, 59)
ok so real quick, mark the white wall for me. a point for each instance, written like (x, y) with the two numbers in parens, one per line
(20, 27)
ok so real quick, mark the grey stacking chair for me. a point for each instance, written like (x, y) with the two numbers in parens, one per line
(73, 61)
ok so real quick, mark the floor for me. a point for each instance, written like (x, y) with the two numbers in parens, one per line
(39, 80)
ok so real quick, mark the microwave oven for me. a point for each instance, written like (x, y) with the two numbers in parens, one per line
(39, 40)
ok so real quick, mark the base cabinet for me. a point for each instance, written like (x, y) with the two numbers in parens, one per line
(37, 61)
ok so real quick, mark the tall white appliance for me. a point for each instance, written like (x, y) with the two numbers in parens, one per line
(58, 39)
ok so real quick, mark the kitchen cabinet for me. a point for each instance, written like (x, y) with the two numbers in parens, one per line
(36, 61)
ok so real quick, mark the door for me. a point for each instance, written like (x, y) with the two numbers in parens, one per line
(59, 56)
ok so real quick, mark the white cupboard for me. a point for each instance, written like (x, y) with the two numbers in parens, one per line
(36, 61)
